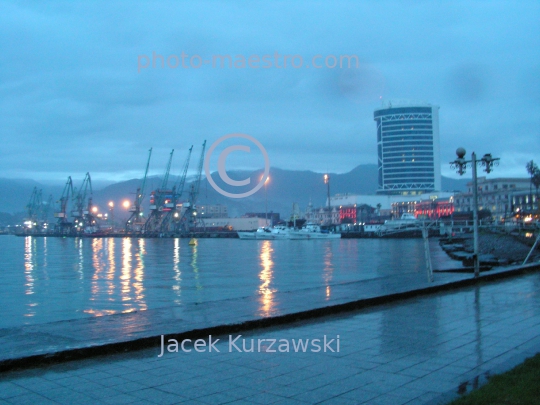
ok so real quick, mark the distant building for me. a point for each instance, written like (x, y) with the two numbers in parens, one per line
(386, 205)
(212, 211)
(408, 148)
(434, 209)
(525, 202)
(497, 195)
(359, 214)
(322, 215)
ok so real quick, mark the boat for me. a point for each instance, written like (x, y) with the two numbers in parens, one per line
(313, 231)
(267, 233)
(406, 221)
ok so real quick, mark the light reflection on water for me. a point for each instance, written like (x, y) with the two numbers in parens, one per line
(266, 274)
(29, 264)
(195, 268)
(50, 279)
(328, 270)
(177, 286)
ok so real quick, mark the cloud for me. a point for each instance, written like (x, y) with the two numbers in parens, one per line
(71, 99)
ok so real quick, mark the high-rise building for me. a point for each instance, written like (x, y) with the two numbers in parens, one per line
(408, 148)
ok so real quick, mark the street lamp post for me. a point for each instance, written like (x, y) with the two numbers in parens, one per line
(266, 202)
(111, 218)
(461, 164)
(327, 182)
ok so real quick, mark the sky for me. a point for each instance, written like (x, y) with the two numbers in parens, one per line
(76, 96)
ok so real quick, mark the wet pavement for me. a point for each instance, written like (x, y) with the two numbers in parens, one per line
(420, 350)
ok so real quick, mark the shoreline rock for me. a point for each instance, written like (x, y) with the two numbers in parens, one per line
(507, 248)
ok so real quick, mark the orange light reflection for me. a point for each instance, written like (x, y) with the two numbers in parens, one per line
(266, 275)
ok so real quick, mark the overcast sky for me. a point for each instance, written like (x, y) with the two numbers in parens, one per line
(72, 98)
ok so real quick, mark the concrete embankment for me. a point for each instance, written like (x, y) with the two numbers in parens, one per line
(494, 248)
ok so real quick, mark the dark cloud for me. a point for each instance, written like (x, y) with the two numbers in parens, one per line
(468, 83)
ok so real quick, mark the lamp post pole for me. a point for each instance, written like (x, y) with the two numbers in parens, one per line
(265, 204)
(111, 218)
(327, 181)
(461, 164)
(475, 216)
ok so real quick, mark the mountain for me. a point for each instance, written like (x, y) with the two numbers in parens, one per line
(15, 193)
(283, 188)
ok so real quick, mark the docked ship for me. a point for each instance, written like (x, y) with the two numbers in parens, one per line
(267, 233)
(406, 221)
(313, 231)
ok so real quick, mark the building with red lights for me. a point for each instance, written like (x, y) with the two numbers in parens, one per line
(434, 209)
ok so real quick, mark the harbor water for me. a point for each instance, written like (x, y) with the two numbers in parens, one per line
(48, 279)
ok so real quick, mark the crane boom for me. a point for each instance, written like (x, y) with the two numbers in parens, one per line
(167, 171)
(63, 226)
(182, 180)
(134, 221)
(35, 204)
(80, 199)
(197, 184)
(140, 195)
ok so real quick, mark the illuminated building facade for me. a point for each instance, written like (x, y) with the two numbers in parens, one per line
(408, 148)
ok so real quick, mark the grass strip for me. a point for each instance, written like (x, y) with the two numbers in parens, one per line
(519, 386)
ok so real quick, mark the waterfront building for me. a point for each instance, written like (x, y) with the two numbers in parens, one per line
(322, 215)
(434, 209)
(360, 214)
(498, 195)
(408, 148)
(213, 211)
(525, 202)
(387, 205)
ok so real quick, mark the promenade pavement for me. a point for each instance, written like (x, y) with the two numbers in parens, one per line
(412, 351)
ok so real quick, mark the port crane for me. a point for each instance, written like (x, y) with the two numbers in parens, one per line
(82, 212)
(135, 222)
(173, 213)
(159, 199)
(189, 219)
(63, 226)
(34, 210)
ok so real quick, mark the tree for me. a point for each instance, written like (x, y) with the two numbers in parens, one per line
(532, 168)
